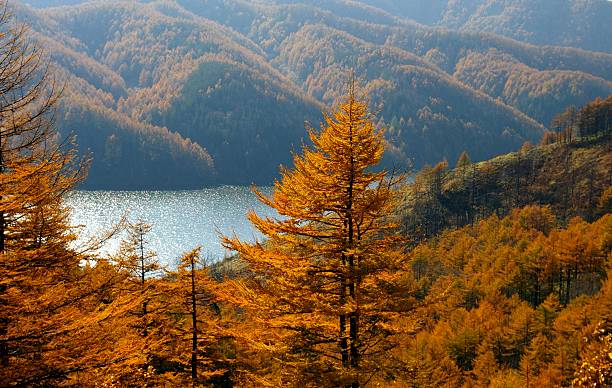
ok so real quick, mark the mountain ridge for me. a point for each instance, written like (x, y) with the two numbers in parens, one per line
(138, 58)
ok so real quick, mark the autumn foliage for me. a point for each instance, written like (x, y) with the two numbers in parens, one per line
(52, 324)
(459, 278)
(323, 288)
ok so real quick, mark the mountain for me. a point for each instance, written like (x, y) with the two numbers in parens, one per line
(429, 115)
(130, 154)
(251, 120)
(52, 3)
(217, 91)
(582, 24)
(125, 92)
(553, 76)
(539, 92)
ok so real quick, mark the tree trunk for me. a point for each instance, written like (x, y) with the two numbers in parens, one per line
(568, 280)
(591, 205)
(142, 282)
(4, 359)
(342, 334)
(536, 301)
(194, 330)
(354, 315)
(517, 181)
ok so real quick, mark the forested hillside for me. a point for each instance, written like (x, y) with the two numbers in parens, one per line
(526, 302)
(202, 92)
(508, 264)
(570, 171)
(228, 84)
(581, 24)
(428, 113)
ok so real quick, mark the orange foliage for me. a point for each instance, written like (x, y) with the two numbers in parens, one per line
(323, 289)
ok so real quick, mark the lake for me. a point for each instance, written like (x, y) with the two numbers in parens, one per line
(181, 220)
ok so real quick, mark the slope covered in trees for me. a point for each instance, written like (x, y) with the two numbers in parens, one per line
(428, 113)
(538, 92)
(130, 154)
(581, 24)
(442, 48)
(139, 86)
(526, 303)
(250, 145)
(570, 172)
(142, 61)
(519, 298)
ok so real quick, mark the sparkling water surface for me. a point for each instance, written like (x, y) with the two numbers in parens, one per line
(181, 220)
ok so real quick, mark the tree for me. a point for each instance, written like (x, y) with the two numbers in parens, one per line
(549, 137)
(463, 161)
(140, 263)
(54, 321)
(485, 366)
(23, 132)
(192, 335)
(28, 190)
(596, 362)
(326, 281)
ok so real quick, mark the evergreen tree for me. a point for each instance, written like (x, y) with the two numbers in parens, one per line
(464, 160)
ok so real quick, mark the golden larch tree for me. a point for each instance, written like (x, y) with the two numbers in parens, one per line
(192, 334)
(140, 262)
(54, 321)
(323, 290)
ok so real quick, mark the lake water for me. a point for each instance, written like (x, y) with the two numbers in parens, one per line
(181, 220)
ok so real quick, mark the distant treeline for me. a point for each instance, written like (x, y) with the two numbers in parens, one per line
(591, 121)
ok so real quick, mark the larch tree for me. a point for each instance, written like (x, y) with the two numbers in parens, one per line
(464, 160)
(51, 322)
(141, 263)
(324, 289)
(192, 334)
(26, 170)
